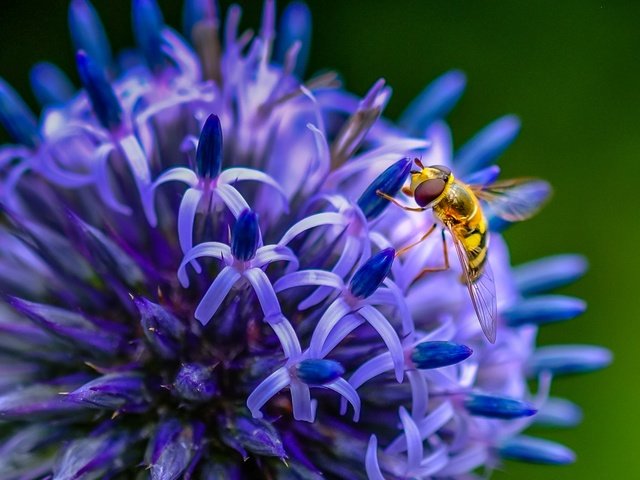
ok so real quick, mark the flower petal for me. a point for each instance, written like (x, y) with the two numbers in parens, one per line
(216, 294)
(232, 199)
(419, 394)
(549, 273)
(208, 249)
(348, 258)
(434, 102)
(286, 334)
(343, 387)
(269, 387)
(388, 335)
(334, 313)
(304, 278)
(312, 221)
(301, 400)
(264, 291)
(186, 219)
(371, 461)
(488, 144)
(233, 175)
(274, 253)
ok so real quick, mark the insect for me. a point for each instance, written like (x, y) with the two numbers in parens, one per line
(457, 206)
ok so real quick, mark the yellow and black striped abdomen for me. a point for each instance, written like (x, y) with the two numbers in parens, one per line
(474, 237)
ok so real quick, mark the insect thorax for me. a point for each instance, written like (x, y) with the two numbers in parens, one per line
(458, 206)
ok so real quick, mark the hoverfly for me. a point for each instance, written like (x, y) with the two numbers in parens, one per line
(456, 205)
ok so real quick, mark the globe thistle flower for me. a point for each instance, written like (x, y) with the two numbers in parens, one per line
(199, 278)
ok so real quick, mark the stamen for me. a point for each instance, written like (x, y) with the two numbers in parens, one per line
(209, 152)
(504, 408)
(245, 238)
(371, 275)
(439, 354)
(390, 182)
(319, 371)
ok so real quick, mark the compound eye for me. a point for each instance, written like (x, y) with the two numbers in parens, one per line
(428, 191)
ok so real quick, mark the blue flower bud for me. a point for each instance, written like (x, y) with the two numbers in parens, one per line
(209, 152)
(543, 309)
(439, 354)
(536, 450)
(295, 26)
(434, 102)
(258, 437)
(87, 32)
(115, 391)
(568, 359)
(196, 383)
(165, 433)
(163, 330)
(558, 412)
(93, 457)
(172, 449)
(50, 85)
(195, 11)
(79, 332)
(371, 275)
(491, 406)
(245, 236)
(147, 28)
(38, 401)
(549, 273)
(103, 99)
(390, 182)
(485, 176)
(319, 371)
(17, 119)
(487, 145)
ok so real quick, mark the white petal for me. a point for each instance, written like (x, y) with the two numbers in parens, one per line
(317, 220)
(308, 277)
(207, 249)
(342, 387)
(264, 291)
(216, 294)
(371, 462)
(301, 399)
(388, 335)
(269, 387)
(336, 311)
(232, 199)
(274, 253)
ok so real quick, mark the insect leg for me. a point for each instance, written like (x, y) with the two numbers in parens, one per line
(422, 239)
(445, 251)
(380, 193)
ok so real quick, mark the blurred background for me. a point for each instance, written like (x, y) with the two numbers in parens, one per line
(569, 69)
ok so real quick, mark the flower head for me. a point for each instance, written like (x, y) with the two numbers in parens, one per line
(199, 275)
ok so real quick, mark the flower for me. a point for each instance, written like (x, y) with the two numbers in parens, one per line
(198, 275)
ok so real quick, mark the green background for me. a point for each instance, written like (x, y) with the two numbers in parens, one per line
(570, 70)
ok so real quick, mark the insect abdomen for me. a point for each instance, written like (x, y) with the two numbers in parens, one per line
(475, 240)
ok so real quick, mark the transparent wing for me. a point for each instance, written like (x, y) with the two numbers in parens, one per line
(516, 199)
(482, 291)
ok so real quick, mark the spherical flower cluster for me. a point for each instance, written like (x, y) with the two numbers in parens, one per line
(199, 277)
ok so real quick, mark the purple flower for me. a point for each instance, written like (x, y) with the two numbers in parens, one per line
(199, 277)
